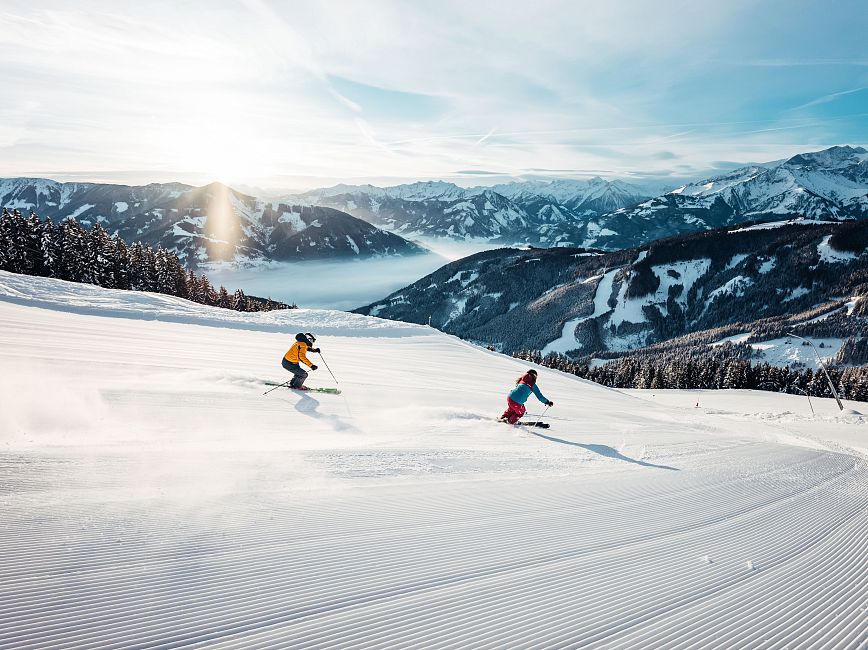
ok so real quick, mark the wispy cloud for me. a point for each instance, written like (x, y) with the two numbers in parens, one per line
(260, 91)
(798, 63)
(825, 99)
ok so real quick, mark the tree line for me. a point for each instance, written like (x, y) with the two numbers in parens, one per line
(723, 366)
(67, 251)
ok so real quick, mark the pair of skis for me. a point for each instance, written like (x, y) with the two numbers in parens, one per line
(539, 423)
(306, 389)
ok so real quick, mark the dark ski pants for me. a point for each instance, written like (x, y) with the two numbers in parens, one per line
(299, 374)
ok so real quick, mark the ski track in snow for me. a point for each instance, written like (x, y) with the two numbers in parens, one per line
(151, 497)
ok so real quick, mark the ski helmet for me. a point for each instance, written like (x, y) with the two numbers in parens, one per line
(301, 338)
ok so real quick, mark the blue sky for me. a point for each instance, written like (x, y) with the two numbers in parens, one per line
(298, 94)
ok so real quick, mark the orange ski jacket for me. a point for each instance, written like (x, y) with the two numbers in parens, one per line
(297, 353)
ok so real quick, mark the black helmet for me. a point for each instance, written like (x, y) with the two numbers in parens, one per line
(301, 338)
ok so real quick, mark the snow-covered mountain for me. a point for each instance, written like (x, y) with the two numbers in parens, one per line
(538, 212)
(828, 184)
(582, 301)
(580, 197)
(485, 216)
(152, 496)
(206, 224)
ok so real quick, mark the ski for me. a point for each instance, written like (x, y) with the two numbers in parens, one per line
(329, 391)
(541, 425)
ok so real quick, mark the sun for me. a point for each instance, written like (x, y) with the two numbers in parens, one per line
(216, 144)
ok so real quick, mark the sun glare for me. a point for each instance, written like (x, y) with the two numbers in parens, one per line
(221, 227)
(216, 143)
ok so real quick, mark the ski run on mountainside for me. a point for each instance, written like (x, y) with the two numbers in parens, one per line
(151, 496)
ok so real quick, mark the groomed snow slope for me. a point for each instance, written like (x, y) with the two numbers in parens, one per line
(150, 496)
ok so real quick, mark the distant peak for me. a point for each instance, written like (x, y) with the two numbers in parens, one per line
(839, 154)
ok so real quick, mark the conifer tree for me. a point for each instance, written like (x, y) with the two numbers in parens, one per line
(73, 247)
(102, 251)
(223, 299)
(50, 245)
(239, 300)
(33, 245)
(121, 264)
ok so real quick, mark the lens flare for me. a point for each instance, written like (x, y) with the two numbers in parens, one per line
(222, 226)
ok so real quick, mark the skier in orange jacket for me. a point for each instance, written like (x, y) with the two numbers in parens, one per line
(296, 355)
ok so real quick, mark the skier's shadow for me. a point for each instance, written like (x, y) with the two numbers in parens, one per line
(606, 451)
(307, 405)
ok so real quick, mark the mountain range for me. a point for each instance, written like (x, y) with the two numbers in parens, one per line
(213, 223)
(579, 302)
(217, 223)
(828, 185)
(537, 212)
(610, 215)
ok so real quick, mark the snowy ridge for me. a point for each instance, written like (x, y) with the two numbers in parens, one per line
(167, 503)
(209, 224)
(822, 185)
(539, 212)
(817, 185)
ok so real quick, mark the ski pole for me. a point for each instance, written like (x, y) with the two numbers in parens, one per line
(276, 387)
(540, 417)
(327, 367)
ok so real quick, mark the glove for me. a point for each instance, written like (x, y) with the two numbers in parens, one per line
(314, 350)
(313, 367)
(550, 403)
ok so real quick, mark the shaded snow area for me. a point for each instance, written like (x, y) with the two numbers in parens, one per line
(631, 310)
(196, 225)
(568, 340)
(763, 226)
(734, 287)
(682, 273)
(82, 209)
(788, 351)
(768, 265)
(831, 255)
(294, 219)
(736, 260)
(151, 496)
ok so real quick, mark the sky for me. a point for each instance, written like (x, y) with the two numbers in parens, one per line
(294, 95)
